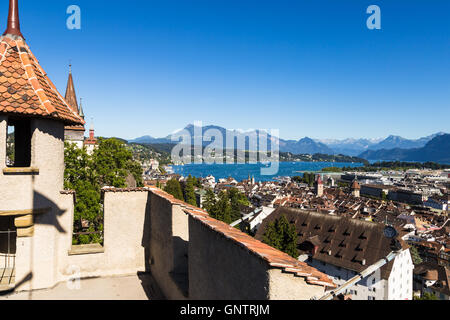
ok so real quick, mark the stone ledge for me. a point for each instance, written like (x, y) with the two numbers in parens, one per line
(23, 212)
(86, 249)
(116, 190)
(21, 170)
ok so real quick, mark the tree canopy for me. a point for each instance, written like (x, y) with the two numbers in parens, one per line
(282, 235)
(173, 187)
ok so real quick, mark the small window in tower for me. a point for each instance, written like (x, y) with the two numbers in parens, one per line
(18, 144)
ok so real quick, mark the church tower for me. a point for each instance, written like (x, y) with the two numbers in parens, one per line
(74, 134)
(356, 189)
(319, 186)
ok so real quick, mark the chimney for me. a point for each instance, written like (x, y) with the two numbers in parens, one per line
(13, 27)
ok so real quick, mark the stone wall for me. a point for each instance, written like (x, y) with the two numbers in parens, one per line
(189, 254)
(35, 191)
(168, 247)
(220, 269)
(125, 238)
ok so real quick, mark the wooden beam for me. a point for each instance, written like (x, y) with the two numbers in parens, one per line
(21, 171)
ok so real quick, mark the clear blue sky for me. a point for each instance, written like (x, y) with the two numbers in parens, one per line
(308, 68)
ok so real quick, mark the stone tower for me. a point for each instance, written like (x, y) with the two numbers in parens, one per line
(356, 189)
(32, 116)
(319, 186)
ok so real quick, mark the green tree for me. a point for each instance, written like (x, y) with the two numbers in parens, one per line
(415, 255)
(173, 187)
(282, 235)
(189, 191)
(426, 296)
(271, 236)
(109, 165)
(113, 162)
(222, 209)
(80, 177)
(237, 199)
(210, 200)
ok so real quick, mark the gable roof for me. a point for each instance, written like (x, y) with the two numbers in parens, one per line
(344, 242)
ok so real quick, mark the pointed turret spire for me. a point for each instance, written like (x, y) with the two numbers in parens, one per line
(13, 27)
(71, 96)
(80, 110)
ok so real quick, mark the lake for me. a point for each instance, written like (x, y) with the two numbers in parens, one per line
(241, 171)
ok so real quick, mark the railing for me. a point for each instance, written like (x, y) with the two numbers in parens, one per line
(8, 263)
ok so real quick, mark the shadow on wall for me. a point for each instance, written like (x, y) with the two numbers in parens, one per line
(51, 218)
(167, 255)
(45, 212)
(180, 271)
(151, 288)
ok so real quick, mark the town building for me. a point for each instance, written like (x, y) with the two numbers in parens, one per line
(433, 279)
(91, 143)
(342, 247)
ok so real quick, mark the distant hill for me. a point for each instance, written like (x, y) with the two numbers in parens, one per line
(436, 150)
(393, 142)
(351, 147)
(304, 146)
(355, 147)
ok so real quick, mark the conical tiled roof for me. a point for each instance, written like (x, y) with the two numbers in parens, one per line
(25, 88)
(355, 185)
(319, 180)
(71, 96)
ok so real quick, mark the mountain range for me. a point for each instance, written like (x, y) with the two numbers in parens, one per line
(436, 150)
(390, 148)
(302, 146)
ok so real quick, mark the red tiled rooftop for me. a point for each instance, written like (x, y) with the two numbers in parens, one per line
(25, 88)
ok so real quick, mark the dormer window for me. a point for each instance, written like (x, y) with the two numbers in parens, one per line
(363, 235)
(342, 244)
(18, 145)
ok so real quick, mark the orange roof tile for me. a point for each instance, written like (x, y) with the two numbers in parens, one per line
(25, 87)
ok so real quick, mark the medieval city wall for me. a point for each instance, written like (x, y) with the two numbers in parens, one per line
(123, 251)
(221, 269)
(150, 231)
(168, 247)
